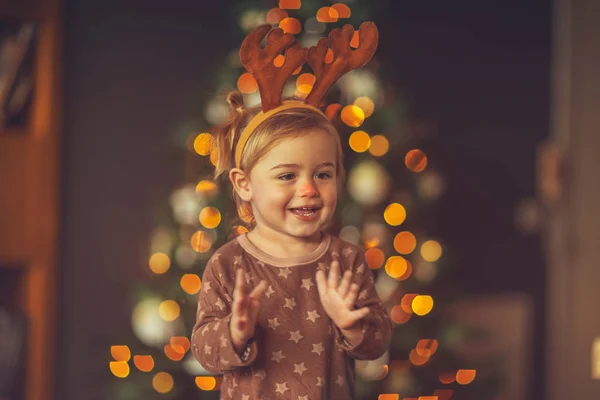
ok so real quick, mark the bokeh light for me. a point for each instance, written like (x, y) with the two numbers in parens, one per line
(426, 347)
(275, 15)
(180, 344)
(465, 376)
(405, 242)
(448, 377)
(398, 315)
(342, 9)
(365, 104)
(201, 242)
(190, 283)
(169, 310)
(396, 266)
(422, 305)
(375, 258)
(329, 56)
(120, 353)
(327, 15)
(279, 60)
(246, 83)
(203, 144)
(305, 83)
(359, 141)
(206, 383)
(207, 188)
(417, 359)
(173, 354)
(291, 25)
(332, 110)
(406, 302)
(431, 251)
(443, 394)
(394, 214)
(162, 382)
(415, 160)
(159, 263)
(144, 363)
(354, 43)
(353, 116)
(290, 4)
(239, 230)
(210, 217)
(119, 369)
(379, 145)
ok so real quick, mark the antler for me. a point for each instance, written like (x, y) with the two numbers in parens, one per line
(345, 59)
(259, 62)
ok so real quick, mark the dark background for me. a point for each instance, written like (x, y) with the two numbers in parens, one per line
(137, 72)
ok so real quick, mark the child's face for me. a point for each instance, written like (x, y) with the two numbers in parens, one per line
(294, 174)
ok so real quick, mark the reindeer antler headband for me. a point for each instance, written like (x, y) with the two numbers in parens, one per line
(271, 79)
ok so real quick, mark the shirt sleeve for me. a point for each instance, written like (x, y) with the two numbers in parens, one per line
(377, 326)
(211, 337)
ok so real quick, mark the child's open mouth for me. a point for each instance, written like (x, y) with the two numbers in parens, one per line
(305, 213)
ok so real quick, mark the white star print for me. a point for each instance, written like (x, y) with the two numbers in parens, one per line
(284, 272)
(230, 392)
(296, 336)
(303, 397)
(335, 255)
(219, 303)
(290, 303)
(269, 291)
(347, 251)
(206, 285)
(216, 326)
(247, 397)
(237, 260)
(307, 283)
(204, 329)
(363, 294)
(234, 384)
(273, 323)
(318, 348)
(223, 340)
(261, 374)
(277, 356)
(340, 380)
(281, 387)
(360, 269)
(207, 349)
(299, 368)
(319, 381)
(312, 315)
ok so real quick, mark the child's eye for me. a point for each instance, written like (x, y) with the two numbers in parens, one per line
(323, 175)
(286, 177)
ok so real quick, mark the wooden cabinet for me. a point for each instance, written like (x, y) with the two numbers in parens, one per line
(29, 186)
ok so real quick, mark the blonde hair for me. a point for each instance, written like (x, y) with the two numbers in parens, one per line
(287, 124)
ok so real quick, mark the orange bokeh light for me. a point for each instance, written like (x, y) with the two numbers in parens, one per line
(143, 363)
(427, 347)
(332, 110)
(275, 15)
(405, 242)
(465, 376)
(291, 25)
(246, 83)
(415, 160)
(190, 283)
(375, 257)
(327, 15)
(342, 9)
(305, 83)
(290, 4)
(398, 315)
(417, 359)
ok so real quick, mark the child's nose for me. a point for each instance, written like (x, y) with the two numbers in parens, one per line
(308, 189)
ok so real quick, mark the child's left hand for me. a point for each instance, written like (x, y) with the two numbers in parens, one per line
(338, 298)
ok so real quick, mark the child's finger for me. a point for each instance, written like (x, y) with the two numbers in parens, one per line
(259, 290)
(321, 284)
(334, 277)
(359, 314)
(345, 285)
(239, 290)
(351, 296)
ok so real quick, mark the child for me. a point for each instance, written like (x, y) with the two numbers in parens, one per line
(286, 308)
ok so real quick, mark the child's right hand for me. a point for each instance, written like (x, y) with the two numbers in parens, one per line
(244, 310)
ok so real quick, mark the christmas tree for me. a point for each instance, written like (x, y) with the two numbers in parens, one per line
(388, 207)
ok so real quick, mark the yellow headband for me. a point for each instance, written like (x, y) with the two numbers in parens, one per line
(260, 118)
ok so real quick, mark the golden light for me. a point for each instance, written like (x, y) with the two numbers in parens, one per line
(428, 398)
(162, 382)
(398, 315)
(245, 213)
(180, 344)
(447, 377)
(465, 376)
(305, 83)
(406, 302)
(239, 230)
(394, 214)
(290, 25)
(375, 258)
(159, 263)
(206, 382)
(144, 363)
(210, 217)
(120, 353)
(342, 9)
(431, 251)
(119, 369)
(373, 242)
(416, 359)
(408, 273)
(332, 110)
(359, 141)
(396, 266)
(275, 15)
(388, 397)
(329, 56)
(173, 354)
(213, 156)
(384, 371)
(405, 242)
(203, 144)
(415, 160)
(426, 347)
(297, 71)
(365, 104)
(207, 188)
(190, 283)
(201, 242)
(169, 310)
(290, 4)
(327, 14)
(353, 116)
(422, 305)
(354, 43)
(379, 145)
(246, 83)
(279, 60)
(443, 394)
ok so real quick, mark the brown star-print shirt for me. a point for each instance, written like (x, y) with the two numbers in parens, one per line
(297, 352)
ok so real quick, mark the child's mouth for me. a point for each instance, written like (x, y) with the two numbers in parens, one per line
(305, 213)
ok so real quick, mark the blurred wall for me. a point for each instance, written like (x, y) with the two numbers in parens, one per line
(135, 71)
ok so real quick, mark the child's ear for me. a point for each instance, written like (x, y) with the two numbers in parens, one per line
(241, 184)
